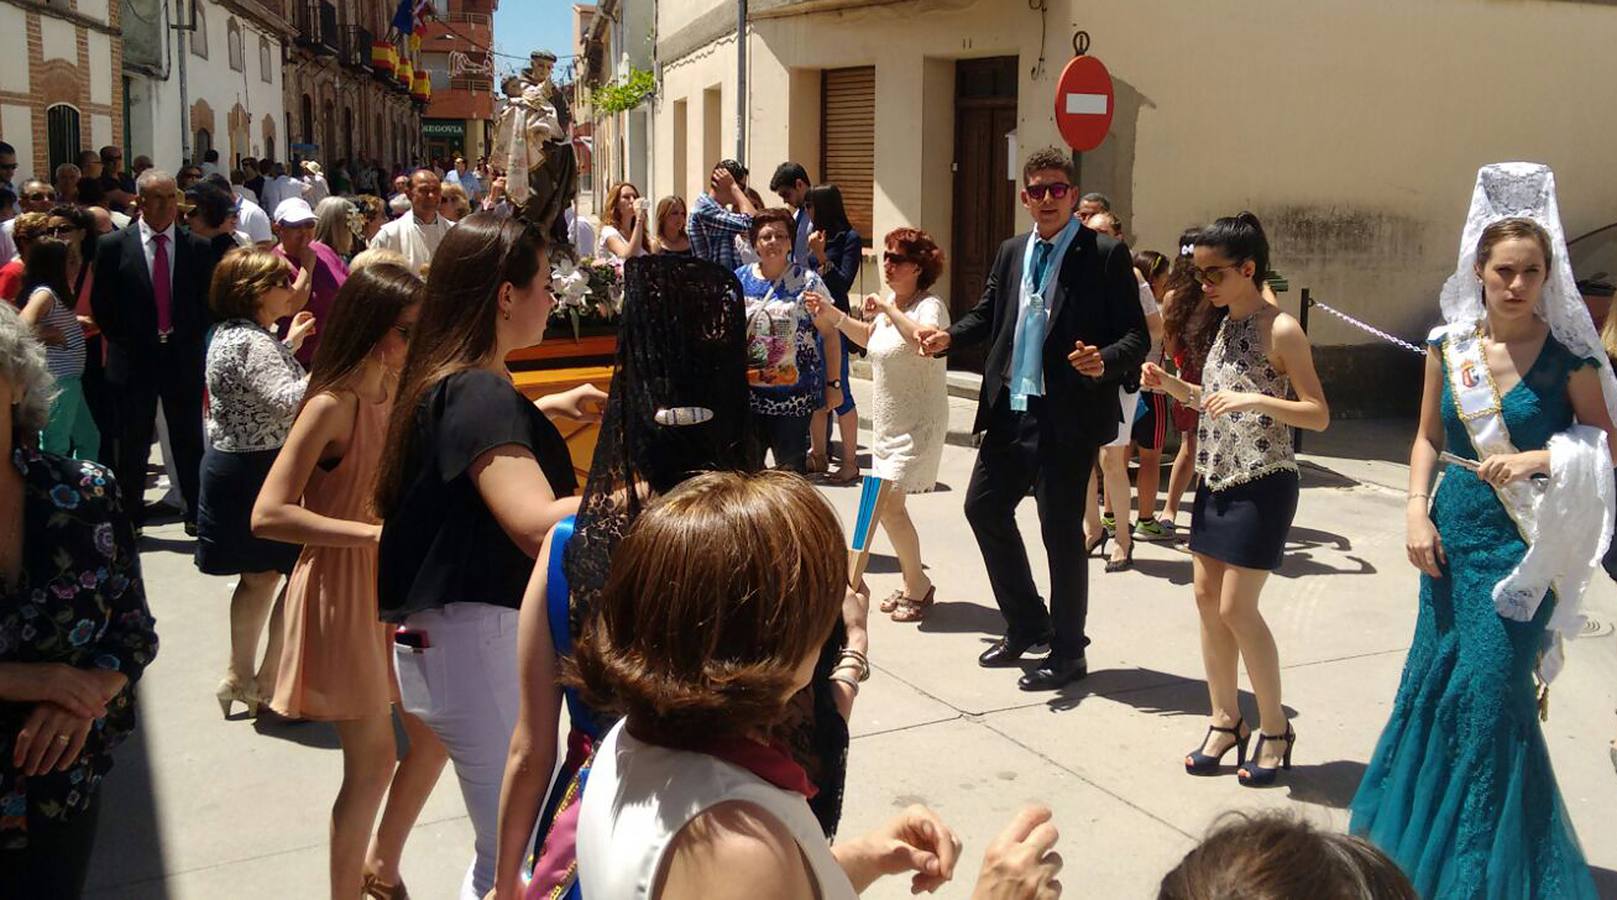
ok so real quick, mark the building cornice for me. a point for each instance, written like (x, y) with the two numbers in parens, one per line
(262, 15)
(66, 15)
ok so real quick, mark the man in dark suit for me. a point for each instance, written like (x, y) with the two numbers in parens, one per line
(1061, 339)
(150, 300)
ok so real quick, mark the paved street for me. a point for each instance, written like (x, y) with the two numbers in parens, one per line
(203, 808)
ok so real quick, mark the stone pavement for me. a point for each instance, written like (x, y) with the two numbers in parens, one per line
(202, 808)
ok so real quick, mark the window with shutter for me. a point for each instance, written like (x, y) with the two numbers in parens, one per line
(848, 140)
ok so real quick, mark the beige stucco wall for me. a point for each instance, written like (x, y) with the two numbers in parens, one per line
(1353, 130)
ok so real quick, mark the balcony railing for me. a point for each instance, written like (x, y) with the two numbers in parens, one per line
(316, 22)
(356, 47)
(465, 18)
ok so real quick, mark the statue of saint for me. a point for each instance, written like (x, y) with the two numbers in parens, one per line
(532, 141)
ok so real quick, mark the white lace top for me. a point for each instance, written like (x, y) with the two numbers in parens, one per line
(254, 387)
(1242, 446)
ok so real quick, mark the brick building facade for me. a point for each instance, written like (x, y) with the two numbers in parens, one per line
(60, 84)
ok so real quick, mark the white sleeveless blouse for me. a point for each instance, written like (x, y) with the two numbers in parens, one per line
(640, 795)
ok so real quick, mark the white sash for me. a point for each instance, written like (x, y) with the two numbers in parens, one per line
(1479, 405)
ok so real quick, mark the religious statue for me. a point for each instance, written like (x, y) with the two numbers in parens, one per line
(532, 142)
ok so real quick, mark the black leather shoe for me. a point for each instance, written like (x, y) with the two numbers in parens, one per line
(1008, 651)
(1055, 672)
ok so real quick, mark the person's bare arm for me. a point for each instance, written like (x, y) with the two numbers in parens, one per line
(518, 495)
(326, 423)
(532, 753)
(1422, 544)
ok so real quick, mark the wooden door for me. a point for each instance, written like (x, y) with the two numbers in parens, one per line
(984, 197)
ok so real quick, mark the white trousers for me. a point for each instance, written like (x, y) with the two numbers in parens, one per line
(464, 687)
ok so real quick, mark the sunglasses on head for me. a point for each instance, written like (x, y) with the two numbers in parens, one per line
(1058, 191)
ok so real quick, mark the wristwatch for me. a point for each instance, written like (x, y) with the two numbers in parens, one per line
(834, 383)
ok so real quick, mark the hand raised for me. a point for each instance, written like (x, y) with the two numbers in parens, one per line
(932, 341)
(1019, 864)
(1087, 360)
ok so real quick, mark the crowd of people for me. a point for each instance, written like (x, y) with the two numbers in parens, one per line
(327, 369)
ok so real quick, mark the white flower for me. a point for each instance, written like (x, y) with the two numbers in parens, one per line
(569, 284)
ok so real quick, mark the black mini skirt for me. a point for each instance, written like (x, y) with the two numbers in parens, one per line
(1245, 524)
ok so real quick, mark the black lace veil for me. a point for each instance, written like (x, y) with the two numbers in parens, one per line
(680, 405)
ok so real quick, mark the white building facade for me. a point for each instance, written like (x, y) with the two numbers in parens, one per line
(59, 90)
(232, 97)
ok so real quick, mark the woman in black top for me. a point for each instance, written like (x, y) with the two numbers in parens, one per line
(835, 246)
(474, 478)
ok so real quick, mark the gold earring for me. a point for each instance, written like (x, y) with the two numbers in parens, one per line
(507, 315)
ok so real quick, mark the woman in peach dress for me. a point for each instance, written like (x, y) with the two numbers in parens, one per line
(336, 664)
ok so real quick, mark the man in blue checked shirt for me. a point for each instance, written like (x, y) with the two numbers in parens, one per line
(712, 227)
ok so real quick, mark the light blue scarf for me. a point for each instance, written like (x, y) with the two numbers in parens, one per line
(1033, 318)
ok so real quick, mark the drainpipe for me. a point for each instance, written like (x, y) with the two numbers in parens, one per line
(185, 101)
(741, 80)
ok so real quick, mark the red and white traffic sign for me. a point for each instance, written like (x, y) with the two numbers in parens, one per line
(1084, 103)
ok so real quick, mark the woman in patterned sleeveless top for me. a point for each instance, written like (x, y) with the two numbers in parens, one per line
(1257, 356)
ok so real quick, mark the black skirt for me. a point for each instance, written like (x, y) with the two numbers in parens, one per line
(1246, 524)
(225, 542)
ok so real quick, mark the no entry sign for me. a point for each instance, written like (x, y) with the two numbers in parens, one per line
(1084, 103)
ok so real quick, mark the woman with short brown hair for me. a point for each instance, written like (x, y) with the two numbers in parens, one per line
(686, 790)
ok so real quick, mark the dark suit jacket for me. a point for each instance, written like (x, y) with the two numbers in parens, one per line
(1095, 299)
(126, 309)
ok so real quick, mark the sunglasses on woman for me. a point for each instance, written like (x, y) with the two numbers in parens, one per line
(1058, 191)
(1212, 276)
(895, 259)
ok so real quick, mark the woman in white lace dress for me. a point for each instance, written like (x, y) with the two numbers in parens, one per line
(911, 396)
(254, 387)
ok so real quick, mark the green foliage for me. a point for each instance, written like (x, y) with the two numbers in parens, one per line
(625, 93)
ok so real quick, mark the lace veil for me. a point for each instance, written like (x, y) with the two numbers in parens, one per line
(1526, 190)
(681, 347)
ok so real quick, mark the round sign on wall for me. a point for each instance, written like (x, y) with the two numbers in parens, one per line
(1084, 103)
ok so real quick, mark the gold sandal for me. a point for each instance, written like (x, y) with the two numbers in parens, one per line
(909, 610)
(375, 889)
(892, 601)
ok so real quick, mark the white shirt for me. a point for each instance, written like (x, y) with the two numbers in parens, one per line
(579, 230)
(8, 246)
(640, 796)
(253, 220)
(280, 188)
(149, 245)
(244, 192)
(213, 168)
(416, 240)
(315, 188)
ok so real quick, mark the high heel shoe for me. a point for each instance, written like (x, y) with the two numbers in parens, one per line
(1124, 564)
(1255, 775)
(232, 691)
(1199, 763)
(1097, 546)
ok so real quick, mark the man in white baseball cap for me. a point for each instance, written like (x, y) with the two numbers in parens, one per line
(294, 227)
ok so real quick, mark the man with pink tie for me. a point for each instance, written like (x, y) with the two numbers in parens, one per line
(150, 299)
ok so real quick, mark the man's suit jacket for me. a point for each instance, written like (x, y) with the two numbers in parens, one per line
(126, 309)
(1095, 299)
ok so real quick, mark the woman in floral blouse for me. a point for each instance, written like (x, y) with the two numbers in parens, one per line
(791, 375)
(75, 634)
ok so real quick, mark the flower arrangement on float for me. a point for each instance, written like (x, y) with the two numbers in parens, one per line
(589, 292)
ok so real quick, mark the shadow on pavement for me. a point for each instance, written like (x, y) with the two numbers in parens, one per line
(1605, 881)
(1149, 691)
(186, 546)
(1330, 784)
(962, 618)
(128, 858)
(320, 735)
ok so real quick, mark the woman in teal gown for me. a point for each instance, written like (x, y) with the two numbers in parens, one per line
(1460, 790)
